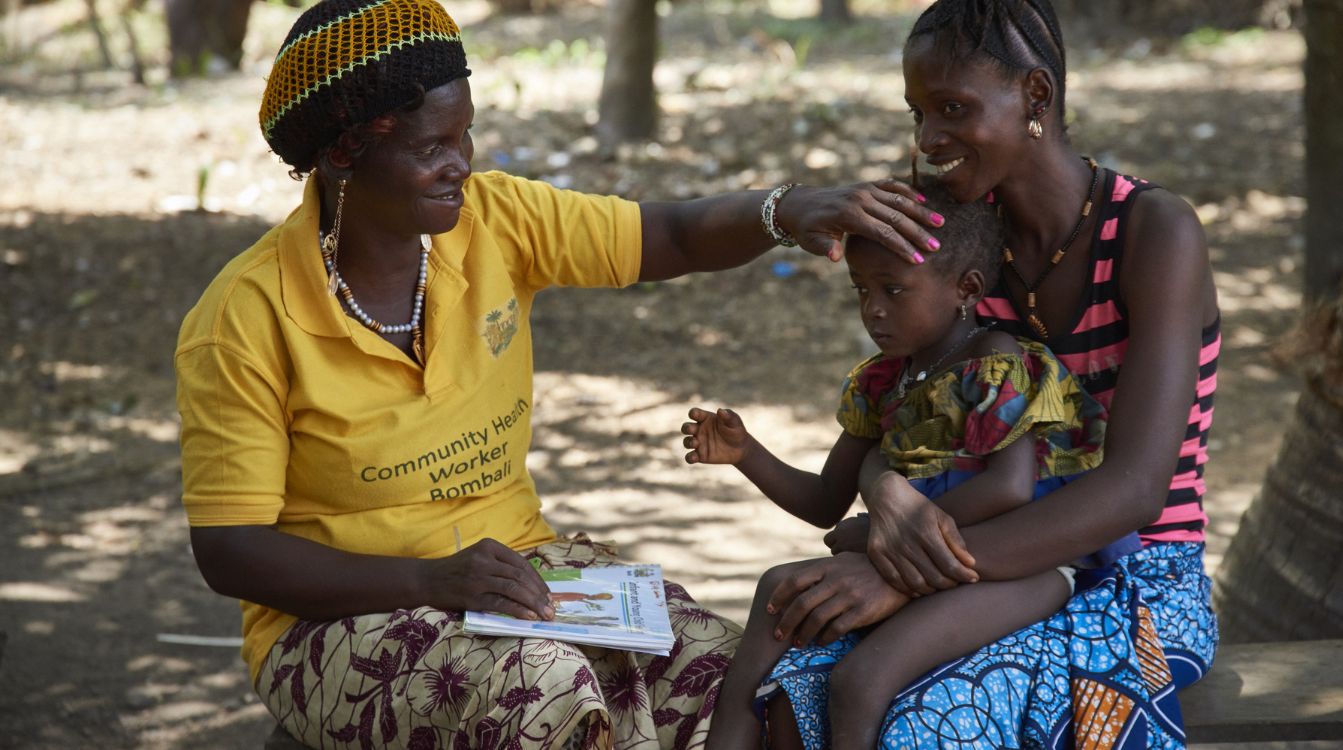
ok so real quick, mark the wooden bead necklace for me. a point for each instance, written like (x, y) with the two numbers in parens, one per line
(1032, 316)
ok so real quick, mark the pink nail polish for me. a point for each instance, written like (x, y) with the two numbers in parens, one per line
(938, 220)
(918, 258)
(921, 198)
(933, 243)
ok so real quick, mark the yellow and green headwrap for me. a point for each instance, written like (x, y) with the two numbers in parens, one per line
(346, 62)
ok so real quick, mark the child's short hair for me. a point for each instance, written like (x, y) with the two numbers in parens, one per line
(972, 236)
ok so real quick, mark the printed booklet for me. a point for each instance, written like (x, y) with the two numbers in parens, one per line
(620, 606)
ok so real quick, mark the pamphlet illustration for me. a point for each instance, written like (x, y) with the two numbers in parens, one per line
(619, 606)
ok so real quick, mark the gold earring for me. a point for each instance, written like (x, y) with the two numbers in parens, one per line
(1035, 127)
(330, 243)
(963, 312)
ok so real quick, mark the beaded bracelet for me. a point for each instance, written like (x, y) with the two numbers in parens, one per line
(769, 218)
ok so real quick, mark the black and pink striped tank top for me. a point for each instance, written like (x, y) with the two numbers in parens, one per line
(1094, 351)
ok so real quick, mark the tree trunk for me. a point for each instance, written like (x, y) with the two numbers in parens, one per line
(628, 107)
(133, 43)
(96, 25)
(202, 34)
(1323, 29)
(835, 11)
(1280, 579)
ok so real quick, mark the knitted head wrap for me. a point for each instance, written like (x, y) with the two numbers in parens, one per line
(346, 62)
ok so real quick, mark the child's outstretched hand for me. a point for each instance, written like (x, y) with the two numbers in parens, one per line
(715, 437)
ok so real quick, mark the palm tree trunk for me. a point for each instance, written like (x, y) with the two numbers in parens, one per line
(1280, 579)
(1323, 29)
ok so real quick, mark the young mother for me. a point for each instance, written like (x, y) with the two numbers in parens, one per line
(1113, 274)
(356, 394)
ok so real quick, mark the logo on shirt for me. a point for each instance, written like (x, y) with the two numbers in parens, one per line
(500, 326)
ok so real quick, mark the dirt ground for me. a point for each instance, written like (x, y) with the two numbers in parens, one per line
(118, 203)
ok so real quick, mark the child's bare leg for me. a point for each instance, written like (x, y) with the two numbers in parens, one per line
(734, 724)
(927, 632)
(783, 733)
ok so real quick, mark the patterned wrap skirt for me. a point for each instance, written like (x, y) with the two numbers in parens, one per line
(413, 679)
(1100, 673)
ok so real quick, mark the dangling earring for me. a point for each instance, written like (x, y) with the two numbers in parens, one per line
(1034, 127)
(963, 312)
(331, 241)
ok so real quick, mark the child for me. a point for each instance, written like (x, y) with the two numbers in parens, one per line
(975, 418)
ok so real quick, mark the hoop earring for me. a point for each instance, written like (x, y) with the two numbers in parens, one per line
(330, 242)
(963, 312)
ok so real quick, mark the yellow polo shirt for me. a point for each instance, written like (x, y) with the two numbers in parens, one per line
(295, 415)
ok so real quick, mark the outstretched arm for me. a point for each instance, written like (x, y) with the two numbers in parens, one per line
(724, 231)
(820, 499)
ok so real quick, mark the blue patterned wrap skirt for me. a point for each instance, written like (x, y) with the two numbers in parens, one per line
(1100, 673)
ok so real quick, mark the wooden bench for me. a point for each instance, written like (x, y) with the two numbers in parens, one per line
(1265, 692)
(1256, 692)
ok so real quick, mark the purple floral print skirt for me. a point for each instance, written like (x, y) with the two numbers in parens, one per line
(412, 679)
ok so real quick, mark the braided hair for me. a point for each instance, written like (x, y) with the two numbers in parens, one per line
(1016, 35)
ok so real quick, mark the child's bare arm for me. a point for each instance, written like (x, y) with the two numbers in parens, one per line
(1008, 479)
(1007, 482)
(819, 499)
